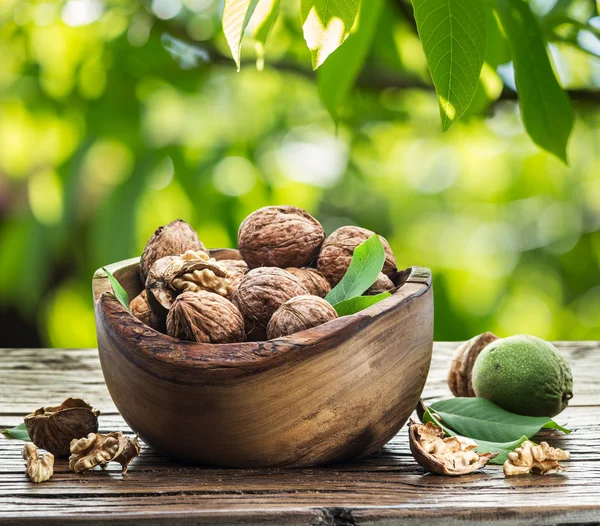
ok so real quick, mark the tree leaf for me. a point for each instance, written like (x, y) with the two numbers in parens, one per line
(483, 446)
(119, 291)
(354, 305)
(481, 419)
(326, 24)
(19, 432)
(236, 15)
(336, 77)
(453, 34)
(545, 107)
(263, 21)
(367, 261)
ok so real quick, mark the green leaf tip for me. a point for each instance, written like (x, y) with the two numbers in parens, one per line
(18, 433)
(119, 291)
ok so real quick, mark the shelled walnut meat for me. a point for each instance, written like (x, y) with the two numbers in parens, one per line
(99, 449)
(298, 314)
(279, 236)
(336, 253)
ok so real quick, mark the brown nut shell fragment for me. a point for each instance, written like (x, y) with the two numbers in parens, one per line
(169, 240)
(205, 317)
(382, 284)
(459, 377)
(141, 309)
(279, 236)
(336, 253)
(445, 456)
(298, 314)
(37, 469)
(540, 459)
(261, 292)
(53, 428)
(312, 280)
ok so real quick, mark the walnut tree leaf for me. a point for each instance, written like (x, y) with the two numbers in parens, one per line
(120, 292)
(236, 16)
(354, 305)
(18, 432)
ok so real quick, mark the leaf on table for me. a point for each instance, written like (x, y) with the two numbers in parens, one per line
(262, 22)
(236, 16)
(481, 419)
(483, 446)
(19, 433)
(354, 305)
(545, 107)
(336, 77)
(120, 292)
(326, 24)
(453, 34)
(366, 264)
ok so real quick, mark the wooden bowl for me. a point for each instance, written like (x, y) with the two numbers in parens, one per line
(327, 394)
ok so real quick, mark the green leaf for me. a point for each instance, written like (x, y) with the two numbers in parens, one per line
(236, 15)
(367, 261)
(481, 419)
(19, 432)
(354, 305)
(453, 34)
(263, 21)
(545, 107)
(326, 24)
(483, 446)
(119, 291)
(336, 77)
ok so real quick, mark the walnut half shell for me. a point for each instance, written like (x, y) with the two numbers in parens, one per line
(444, 456)
(459, 377)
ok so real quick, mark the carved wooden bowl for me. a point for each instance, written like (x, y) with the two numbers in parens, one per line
(334, 392)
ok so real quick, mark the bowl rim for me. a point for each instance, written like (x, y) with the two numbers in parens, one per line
(167, 357)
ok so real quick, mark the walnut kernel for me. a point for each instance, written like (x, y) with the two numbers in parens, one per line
(99, 449)
(541, 460)
(38, 469)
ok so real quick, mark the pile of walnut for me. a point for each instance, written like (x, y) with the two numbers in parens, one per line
(72, 428)
(287, 267)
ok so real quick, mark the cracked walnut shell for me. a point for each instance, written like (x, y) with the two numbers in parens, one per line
(261, 292)
(99, 449)
(539, 459)
(37, 469)
(445, 456)
(169, 240)
(205, 317)
(336, 253)
(279, 236)
(298, 314)
(141, 309)
(312, 280)
(53, 428)
(461, 368)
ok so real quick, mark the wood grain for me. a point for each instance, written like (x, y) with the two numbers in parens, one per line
(383, 488)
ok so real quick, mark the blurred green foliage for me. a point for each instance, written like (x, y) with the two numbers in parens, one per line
(119, 116)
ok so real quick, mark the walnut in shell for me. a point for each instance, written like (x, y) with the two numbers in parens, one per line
(382, 284)
(279, 236)
(298, 314)
(169, 240)
(53, 428)
(99, 449)
(205, 317)
(312, 280)
(141, 309)
(445, 456)
(336, 253)
(459, 377)
(261, 292)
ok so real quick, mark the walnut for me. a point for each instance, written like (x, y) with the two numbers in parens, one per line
(279, 236)
(445, 456)
(336, 253)
(99, 449)
(312, 280)
(382, 284)
(191, 271)
(38, 469)
(261, 292)
(53, 428)
(141, 309)
(541, 459)
(169, 240)
(236, 269)
(298, 314)
(205, 317)
(459, 377)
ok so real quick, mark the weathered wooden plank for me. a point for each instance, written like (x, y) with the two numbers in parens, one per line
(383, 488)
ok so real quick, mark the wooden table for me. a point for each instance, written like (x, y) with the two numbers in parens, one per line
(384, 488)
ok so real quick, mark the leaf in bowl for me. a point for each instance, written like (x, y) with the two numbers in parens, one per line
(119, 291)
(354, 305)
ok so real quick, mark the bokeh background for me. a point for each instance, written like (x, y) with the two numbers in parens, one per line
(119, 116)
